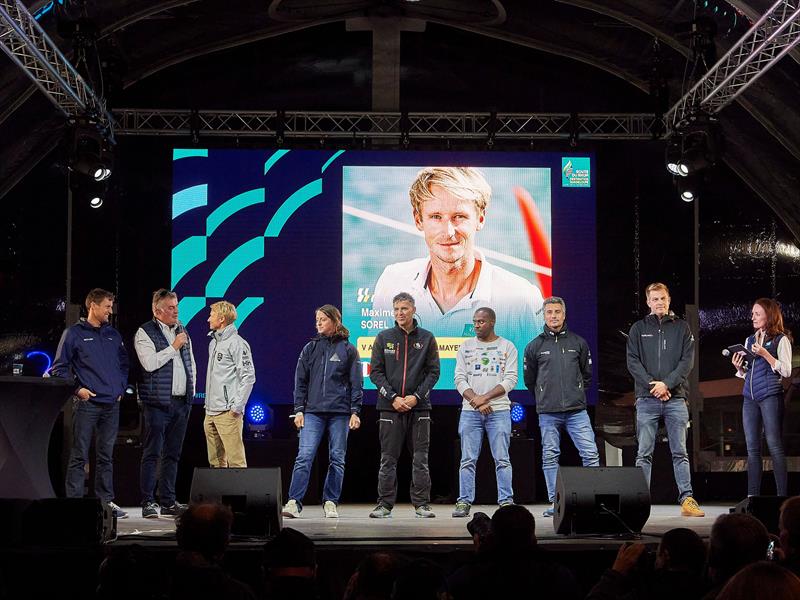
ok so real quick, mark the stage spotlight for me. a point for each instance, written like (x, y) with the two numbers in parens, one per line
(259, 420)
(519, 420)
(693, 160)
(90, 153)
(673, 155)
(688, 188)
(96, 201)
(700, 141)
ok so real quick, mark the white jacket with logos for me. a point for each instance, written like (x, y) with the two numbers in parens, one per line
(231, 374)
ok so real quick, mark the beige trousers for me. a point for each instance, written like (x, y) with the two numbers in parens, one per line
(224, 440)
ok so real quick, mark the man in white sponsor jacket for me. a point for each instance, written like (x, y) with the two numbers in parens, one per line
(229, 381)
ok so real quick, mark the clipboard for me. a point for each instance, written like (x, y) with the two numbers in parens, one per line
(740, 348)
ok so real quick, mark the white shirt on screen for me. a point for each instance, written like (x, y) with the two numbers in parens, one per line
(516, 301)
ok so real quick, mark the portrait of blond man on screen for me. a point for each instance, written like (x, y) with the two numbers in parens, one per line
(449, 206)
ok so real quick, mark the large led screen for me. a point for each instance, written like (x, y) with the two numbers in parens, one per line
(280, 232)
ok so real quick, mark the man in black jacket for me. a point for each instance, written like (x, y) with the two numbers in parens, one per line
(404, 367)
(558, 369)
(660, 356)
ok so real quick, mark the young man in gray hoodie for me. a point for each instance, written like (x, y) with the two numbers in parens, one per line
(229, 381)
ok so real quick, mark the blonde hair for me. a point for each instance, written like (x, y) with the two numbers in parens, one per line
(226, 310)
(654, 287)
(465, 183)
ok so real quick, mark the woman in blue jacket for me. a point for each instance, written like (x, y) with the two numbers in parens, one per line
(327, 397)
(763, 394)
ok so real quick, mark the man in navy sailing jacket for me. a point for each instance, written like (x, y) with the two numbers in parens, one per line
(91, 353)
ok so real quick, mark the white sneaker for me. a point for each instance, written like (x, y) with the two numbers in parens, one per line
(330, 510)
(291, 510)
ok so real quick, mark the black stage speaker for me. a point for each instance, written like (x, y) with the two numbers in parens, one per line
(764, 508)
(254, 496)
(601, 500)
(57, 522)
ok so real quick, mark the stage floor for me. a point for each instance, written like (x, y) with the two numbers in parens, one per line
(354, 527)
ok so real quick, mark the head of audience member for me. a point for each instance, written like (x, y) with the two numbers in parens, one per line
(736, 541)
(789, 528)
(165, 306)
(421, 579)
(480, 528)
(222, 314)
(374, 577)
(762, 579)
(513, 530)
(131, 572)
(290, 554)
(205, 529)
(681, 549)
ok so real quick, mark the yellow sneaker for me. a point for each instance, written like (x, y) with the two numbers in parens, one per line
(690, 508)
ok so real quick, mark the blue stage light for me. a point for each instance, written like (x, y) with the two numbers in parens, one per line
(45, 355)
(517, 412)
(256, 414)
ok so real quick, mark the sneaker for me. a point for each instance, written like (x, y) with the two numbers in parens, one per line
(380, 512)
(690, 508)
(117, 511)
(329, 508)
(461, 509)
(150, 510)
(175, 510)
(506, 503)
(424, 511)
(550, 511)
(291, 510)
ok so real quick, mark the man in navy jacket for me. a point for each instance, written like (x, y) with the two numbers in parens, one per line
(91, 353)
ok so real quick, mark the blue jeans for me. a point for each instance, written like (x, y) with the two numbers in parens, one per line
(579, 428)
(104, 418)
(164, 430)
(310, 437)
(497, 426)
(768, 412)
(676, 419)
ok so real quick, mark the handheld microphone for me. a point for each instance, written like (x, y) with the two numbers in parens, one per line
(179, 327)
(745, 363)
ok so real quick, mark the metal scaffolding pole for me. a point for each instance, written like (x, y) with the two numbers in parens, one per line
(387, 125)
(767, 41)
(27, 44)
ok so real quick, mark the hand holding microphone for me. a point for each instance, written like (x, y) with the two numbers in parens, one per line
(180, 337)
(737, 359)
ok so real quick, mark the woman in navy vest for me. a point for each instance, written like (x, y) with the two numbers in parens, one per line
(763, 394)
(327, 398)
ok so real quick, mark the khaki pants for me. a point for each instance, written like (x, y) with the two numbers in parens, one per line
(224, 440)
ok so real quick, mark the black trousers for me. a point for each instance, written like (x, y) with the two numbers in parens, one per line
(414, 429)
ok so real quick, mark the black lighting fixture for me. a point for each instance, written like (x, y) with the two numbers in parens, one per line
(699, 143)
(673, 154)
(89, 152)
(688, 187)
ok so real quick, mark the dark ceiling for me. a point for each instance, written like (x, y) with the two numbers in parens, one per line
(457, 55)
